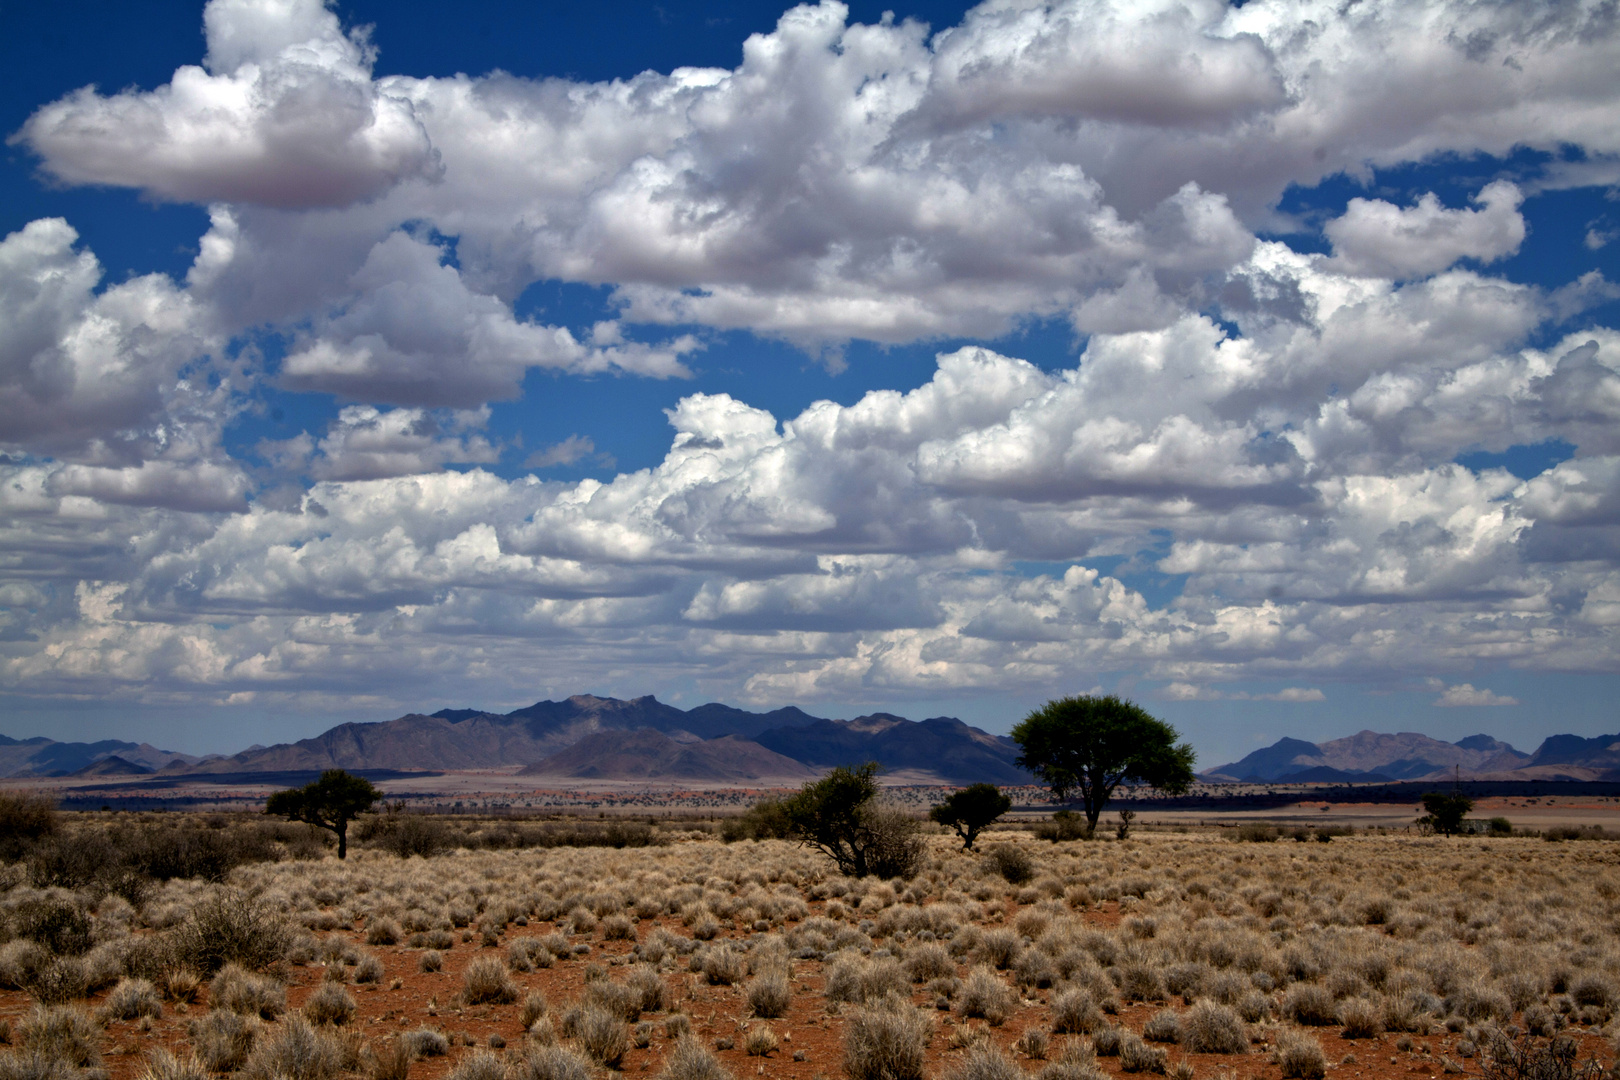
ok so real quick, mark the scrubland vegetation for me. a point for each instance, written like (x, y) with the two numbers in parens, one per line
(524, 957)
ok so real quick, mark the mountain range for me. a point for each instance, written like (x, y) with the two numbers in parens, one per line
(1370, 756)
(595, 738)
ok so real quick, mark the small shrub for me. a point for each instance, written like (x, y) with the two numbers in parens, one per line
(368, 970)
(1140, 981)
(1258, 832)
(222, 1040)
(1033, 1044)
(63, 1032)
(1012, 862)
(162, 1065)
(886, 1041)
(425, 1042)
(1163, 1026)
(62, 926)
(329, 1004)
(551, 1063)
(1300, 1057)
(429, 961)
(390, 1061)
(770, 995)
(724, 966)
(985, 1061)
(1076, 1061)
(383, 932)
(1309, 1004)
(761, 1041)
(983, 994)
(691, 1060)
(1106, 1041)
(601, 1035)
(1211, 1028)
(230, 925)
(1361, 1019)
(1074, 1012)
(1137, 1056)
(26, 818)
(487, 982)
(133, 998)
(479, 1065)
(246, 993)
(1000, 948)
(618, 928)
(928, 961)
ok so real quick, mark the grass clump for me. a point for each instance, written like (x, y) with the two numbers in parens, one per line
(162, 1065)
(63, 1033)
(222, 1040)
(769, 995)
(486, 982)
(1212, 1028)
(240, 991)
(1300, 1057)
(551, 1063)
(1136, 1056)
(886, 1041)
(985, 1061)
(691, 1060)
(132, 999)
(984, 995)
(330, 1004)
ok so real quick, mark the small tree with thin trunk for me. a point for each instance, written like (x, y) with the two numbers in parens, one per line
(1087, 746)
(1446, 810)
(330, 803)
(971, 811)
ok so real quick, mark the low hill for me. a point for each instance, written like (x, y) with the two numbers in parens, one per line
(942, 748)
(40, 756)
(652, 755)
(1369, 756)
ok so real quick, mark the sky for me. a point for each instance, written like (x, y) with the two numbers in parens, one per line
(1258, 363)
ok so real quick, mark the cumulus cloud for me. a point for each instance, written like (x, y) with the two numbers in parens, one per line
(1464, 694)
(851, 181)
(1378, 239)
(1280, 428)
(286, 114)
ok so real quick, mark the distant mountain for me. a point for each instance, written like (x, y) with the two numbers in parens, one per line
(40, 756)
(606, 738)
(1369, 756)
(1602, 752)
(943, 748)
(114, 766)
(652, 755)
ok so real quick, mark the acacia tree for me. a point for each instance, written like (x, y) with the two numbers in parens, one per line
(971, 810)
(1446, 811)
(839, 815)
(330, 803)
(1087, 746)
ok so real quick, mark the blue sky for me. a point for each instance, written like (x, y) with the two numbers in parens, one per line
(1257, 363)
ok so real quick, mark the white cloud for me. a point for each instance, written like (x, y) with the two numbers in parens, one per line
(1464, 694)
(286, 115)
(849, 181)
(1378, 239)
(573, 449)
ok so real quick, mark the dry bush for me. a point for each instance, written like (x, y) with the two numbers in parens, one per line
(618, 928)
(1307, 1003)
(429, 961)
(221, 1040)
(131, 999)
(534, 1007)
(1140, 981)
(389, 1061)
(770, 995)
(985, 1061)
(1137, 1056)
(1033, 1044)
(1012, 862)
(425, 1042)
(1300, 1057)
(983, 994)
(886, 1041)
(486, 982)
(723, 966)
(242, 992)
(928, 961)
(1362, 1019)
(551, 1063)
(162, 1065)
(479, 1065)
(383, 931)
(297, 1051)
(1163, 1026)
(1075, 1061)
(329, 1004)
(26, 818)
(1212, 1028)
(601, 1035)
(760, 1041)
(230, 925)
(1075, 1012)
(691, 1060)
(63, 1033)
(999, 948)
(1106, 1041)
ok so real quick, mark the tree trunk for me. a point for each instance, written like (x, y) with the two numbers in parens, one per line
(342, 829)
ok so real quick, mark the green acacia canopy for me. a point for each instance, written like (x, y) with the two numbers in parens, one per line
(330, 803)
(1087, 746)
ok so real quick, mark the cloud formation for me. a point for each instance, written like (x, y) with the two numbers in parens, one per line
(1278, 429)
